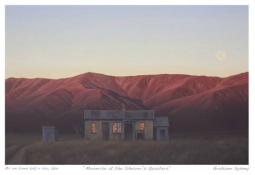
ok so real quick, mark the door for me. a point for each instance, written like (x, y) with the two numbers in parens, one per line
(105, 130)
(128, 131)
(162, 134)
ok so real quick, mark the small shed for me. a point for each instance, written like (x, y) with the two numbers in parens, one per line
(49, 133)
(161, 128)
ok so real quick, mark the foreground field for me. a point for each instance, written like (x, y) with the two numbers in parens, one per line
(183, 148)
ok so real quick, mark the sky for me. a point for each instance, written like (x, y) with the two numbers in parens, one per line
(64, 41)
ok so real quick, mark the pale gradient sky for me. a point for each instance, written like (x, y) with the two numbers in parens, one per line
(64, 41)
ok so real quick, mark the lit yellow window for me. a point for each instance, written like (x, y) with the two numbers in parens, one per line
(93, 128)
(142, 126)
(116, 128)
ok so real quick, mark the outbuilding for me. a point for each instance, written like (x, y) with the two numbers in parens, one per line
(161, 128)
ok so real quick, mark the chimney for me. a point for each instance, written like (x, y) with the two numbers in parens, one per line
(123, 107)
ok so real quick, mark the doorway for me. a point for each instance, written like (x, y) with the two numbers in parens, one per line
(154, 133)
(105, 129)
(128, 131)
(162, 134)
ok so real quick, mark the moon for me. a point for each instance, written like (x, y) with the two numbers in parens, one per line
(221, 55)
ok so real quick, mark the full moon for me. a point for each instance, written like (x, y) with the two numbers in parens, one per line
(221, 55)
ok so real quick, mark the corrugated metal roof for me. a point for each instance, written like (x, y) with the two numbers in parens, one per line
(161, 121)
(118, 114)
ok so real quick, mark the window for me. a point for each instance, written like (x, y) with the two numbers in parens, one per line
(142, 126)
(116, 128)
(93, 128)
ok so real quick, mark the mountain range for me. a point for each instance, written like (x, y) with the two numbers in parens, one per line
(192, 103)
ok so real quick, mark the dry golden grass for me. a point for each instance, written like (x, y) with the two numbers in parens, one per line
(232, 149)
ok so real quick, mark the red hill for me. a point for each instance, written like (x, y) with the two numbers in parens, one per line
(191, 102)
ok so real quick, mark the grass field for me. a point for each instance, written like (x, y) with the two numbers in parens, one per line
(183, 148)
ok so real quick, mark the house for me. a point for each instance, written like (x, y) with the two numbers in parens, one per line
(123, 125)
